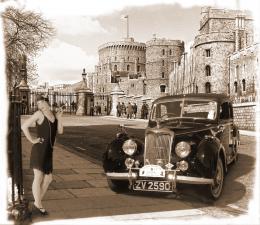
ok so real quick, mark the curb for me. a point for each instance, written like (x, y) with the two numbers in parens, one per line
(250, 133)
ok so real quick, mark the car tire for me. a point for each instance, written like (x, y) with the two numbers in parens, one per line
(118, 186)
(214, 190)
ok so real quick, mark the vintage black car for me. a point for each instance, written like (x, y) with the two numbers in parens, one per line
(189, 139)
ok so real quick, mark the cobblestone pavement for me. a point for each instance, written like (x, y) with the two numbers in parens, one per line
(79, 190)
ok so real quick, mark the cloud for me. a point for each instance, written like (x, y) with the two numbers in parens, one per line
(83, 7)
(76, 25)
(62, 61)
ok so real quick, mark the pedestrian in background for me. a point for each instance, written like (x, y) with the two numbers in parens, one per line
(118, 110)
(134, 110)
(41, 160)
(144, 111)
(129, 110)
(123, 109)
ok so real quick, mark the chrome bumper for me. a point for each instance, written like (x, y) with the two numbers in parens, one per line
(179, 179)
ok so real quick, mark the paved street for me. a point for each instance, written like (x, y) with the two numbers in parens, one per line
(79, 188)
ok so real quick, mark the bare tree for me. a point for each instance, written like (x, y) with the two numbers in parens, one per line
(25, 34)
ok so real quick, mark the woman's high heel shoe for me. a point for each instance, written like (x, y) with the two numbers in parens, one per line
(42, 211)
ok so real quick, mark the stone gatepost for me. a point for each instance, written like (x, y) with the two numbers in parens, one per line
(116, 92)
(85, 97)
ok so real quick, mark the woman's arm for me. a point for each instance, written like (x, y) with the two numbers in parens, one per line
(28, 123)
(60, 124)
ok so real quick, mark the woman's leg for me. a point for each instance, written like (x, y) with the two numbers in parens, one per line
(36, 187)
(45, 184)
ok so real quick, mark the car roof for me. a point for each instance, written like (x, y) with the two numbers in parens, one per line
(212, 96)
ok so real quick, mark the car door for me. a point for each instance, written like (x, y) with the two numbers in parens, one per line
(226, 121)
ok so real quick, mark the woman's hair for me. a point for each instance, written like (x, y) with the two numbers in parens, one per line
(40, 97)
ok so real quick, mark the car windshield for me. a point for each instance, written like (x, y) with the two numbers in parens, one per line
(184, 108)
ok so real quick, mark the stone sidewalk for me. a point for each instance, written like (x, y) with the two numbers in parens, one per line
(75, 179)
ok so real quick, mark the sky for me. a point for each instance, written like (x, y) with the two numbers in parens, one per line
(82, 26)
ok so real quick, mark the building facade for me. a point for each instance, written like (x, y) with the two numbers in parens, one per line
(141, 69)
(223, 36)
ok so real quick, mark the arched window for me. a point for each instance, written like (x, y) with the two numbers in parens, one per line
(244, 84)
(163, 63)
(128, 67)
(162, 88)
(170, 52)
(162, 74)
(163, 52)
(144, 89)
(115, 67)
(208, 71)
(208, 87)
(235, 86)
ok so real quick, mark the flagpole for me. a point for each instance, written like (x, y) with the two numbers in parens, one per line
(127, 26)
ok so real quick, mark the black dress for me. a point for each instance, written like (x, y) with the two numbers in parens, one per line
(41, 154)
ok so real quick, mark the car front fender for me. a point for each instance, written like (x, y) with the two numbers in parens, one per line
(207, 156)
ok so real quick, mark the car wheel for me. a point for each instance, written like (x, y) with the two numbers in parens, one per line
(118, 186)
(215, 189)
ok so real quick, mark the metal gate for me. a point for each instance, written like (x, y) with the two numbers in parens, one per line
(68, 101)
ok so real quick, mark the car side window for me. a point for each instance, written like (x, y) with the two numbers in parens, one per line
(225, 111)
(231, 110)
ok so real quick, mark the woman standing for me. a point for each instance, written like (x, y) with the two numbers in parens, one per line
(47, 125)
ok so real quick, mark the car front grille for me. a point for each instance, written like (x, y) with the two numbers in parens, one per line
(158, 148)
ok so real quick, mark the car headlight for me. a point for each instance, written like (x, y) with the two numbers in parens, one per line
(183, 149)
(129, 147)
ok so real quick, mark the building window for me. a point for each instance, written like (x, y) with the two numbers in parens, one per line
(162, 74)
(144, 89)
(207, 52)
(208, 87)
(162, 88)
(235, 85)
(163, 63)
(237, 71)
(170, 52)
(115, 58)
(208, 71)
(197, 89)
(115, 67)
(138, 68)
(244, 84)
(128, 67)
(138, 59)
(163, 52)
(128, 58)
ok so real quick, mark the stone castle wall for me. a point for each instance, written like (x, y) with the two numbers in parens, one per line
(160, 57)
(218, 63)
(244, 115)
(244, 66)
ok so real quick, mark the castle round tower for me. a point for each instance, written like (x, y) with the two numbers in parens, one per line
(118, 62)
(160, 57)
(221, 33)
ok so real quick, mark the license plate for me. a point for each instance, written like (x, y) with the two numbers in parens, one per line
(148, 185)
(152, 171)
